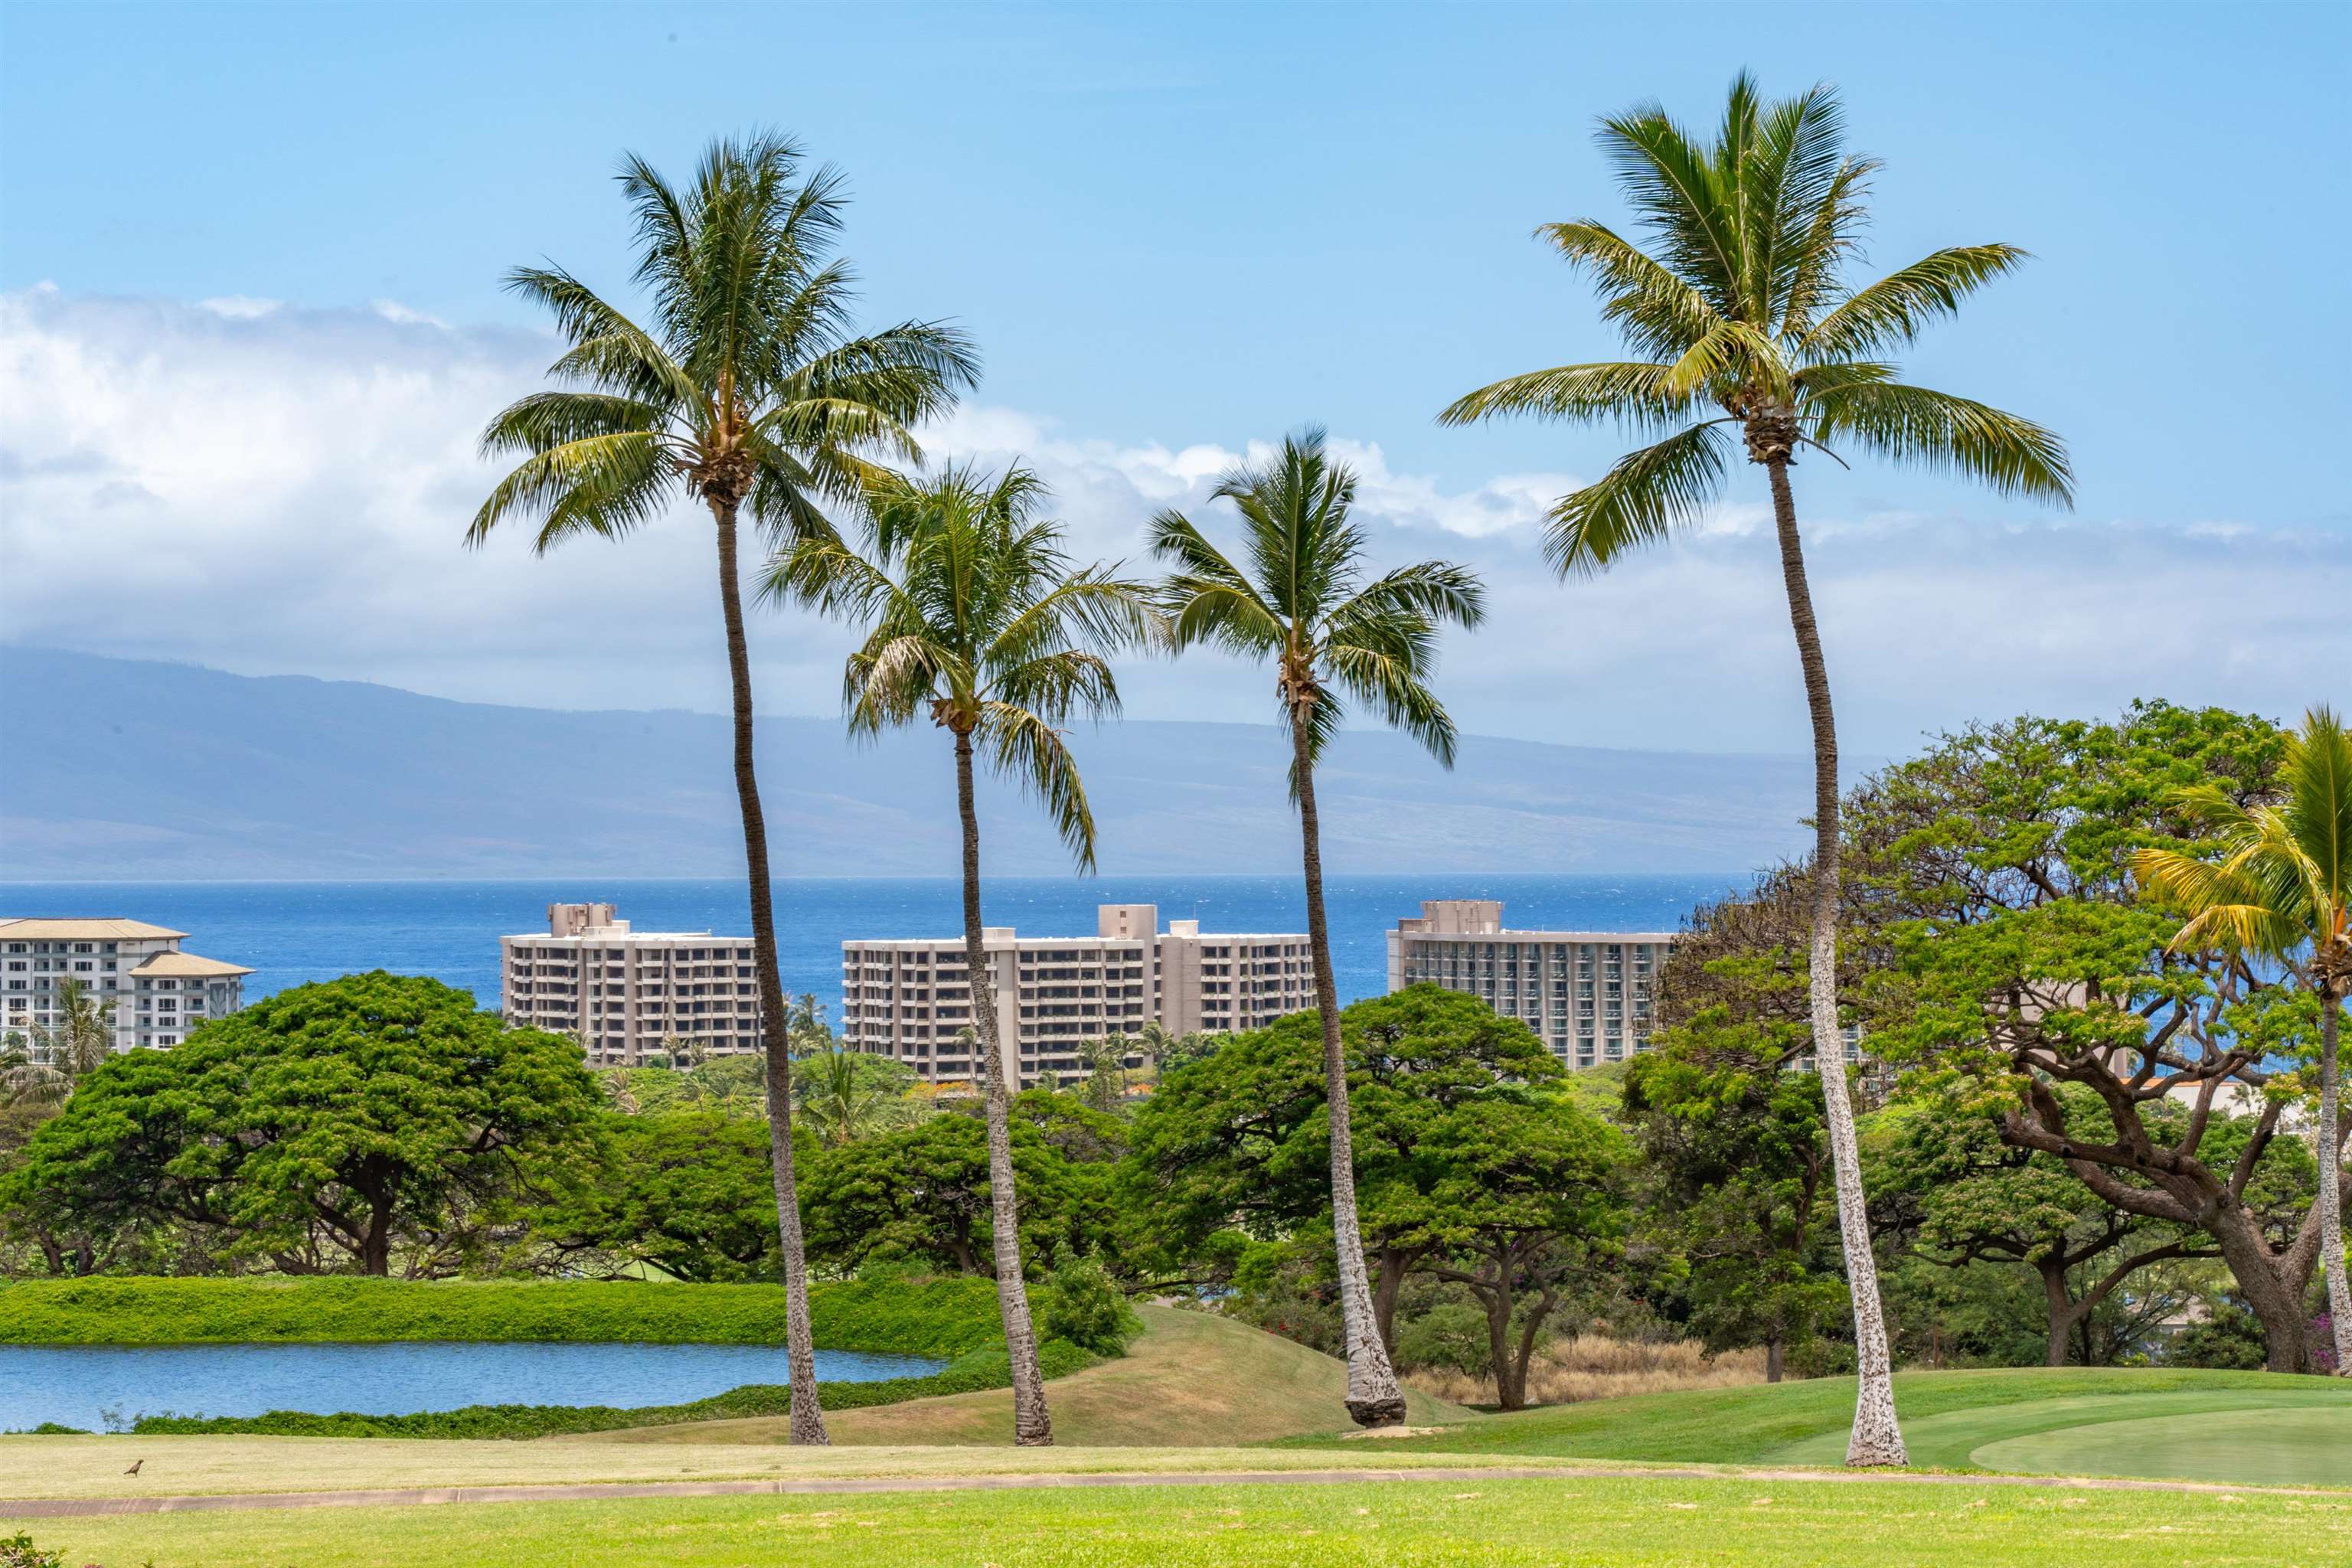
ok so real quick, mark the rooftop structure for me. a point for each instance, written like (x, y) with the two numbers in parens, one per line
(630, 997)
(159, 993)
(912, 999)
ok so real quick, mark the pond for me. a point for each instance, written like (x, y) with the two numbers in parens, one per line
(100, 1387)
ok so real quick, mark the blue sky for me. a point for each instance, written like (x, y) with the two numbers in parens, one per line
(1188, 227)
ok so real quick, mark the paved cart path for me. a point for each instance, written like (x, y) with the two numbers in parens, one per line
(83, 1508)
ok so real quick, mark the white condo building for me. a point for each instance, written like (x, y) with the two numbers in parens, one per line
(1588, 992)
(159, 992)
(627, 996)
(912, 999)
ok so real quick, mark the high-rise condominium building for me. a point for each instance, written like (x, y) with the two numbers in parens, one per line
(1587, 993)
(912, 1000)
(630, 996)
(159, 993)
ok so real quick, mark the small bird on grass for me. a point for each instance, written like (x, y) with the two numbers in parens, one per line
(135, 1468)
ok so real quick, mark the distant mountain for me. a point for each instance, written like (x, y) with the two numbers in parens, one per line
(115, 768)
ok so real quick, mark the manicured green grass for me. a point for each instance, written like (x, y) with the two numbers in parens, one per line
(1612, 1523)
(937, 1318)
(2272, 1446)
(1947, 1417)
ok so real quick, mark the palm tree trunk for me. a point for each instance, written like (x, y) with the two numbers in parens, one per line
(1373, 1398)
(2331, 1184)
(800, 1348)
(1033, 1426)
(1877, 1439)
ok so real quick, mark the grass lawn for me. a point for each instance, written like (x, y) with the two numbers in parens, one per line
(1190, 1379)
(2274, 1429)
(1611, 1523)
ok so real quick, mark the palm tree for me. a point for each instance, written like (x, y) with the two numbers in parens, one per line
(1739, 318)
(2283, 890)
(847, 1095)
(1303, 606)
(977, 621)
(747, 392)
(64, 1052)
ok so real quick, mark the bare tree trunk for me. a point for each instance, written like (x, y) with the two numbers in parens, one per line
(2060, 1312)
(1877, 1439)
(2262, 1279)
(2331, 1184)
(1776, 1359)
(1031, 1425)
(1374, 1398)
(800, 1344)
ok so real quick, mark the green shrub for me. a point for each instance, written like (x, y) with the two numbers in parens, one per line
(1451, 1335)
(971, 1372)
(940, 1317)
(1081, 1303)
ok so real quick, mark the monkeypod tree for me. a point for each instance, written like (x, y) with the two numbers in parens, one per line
(334, 1126)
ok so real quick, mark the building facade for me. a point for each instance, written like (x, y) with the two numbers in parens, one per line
(912, 999)
(630, 997)
(1588, 994)
(159, 993)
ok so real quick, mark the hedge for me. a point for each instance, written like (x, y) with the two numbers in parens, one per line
(971, 1372)
(943, 1316)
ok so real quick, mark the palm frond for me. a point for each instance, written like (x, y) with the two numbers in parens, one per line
(1889, 313)
(1208, 599)
(1386, 673)
(1030, 751)
(1939, 431)
(1643, 498)
(606, 485)
(1634, 395)
(1659, 313)
(1439, 592)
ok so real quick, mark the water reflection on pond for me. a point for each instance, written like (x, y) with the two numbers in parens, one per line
(95, 1386)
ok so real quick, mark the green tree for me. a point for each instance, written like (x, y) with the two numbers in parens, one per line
(1302, 604)
(1738, 1148)
(847, 1095)
(1469, 1165)
(2023, 960)
(44, 1067)
(749, 390)
(977, 621)
(2283, 890)
(364, 1116)
(690, 1192)
(1740, 319)
(926, 1193)
(1971, 1198)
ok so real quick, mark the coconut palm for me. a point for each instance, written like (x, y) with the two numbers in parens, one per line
(748, 394)
(63, 1052)
(1302, 604)
(2283, 890)
(976, 621)
(1744, 333)
(847, 1095)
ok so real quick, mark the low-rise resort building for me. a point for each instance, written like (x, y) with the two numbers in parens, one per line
(159, 993)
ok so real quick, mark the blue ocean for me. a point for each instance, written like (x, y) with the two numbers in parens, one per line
(293, 932)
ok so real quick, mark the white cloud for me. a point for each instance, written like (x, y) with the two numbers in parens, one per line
(242, 307)
(282, 489)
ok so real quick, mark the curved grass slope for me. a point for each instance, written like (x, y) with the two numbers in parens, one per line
(1189, 1380)
(2247, 1428)
(945, 1318)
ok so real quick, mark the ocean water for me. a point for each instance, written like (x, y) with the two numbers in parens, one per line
(294, 932)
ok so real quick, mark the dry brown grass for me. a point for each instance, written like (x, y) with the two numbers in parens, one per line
(1594, 1366)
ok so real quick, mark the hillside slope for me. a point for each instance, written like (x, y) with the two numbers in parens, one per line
(123, 770)
(1191, 1379)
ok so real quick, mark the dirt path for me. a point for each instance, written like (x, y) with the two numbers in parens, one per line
(85, 1508)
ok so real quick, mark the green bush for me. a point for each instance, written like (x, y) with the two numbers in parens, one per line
(940, 1317)
(971, 1372)
(1080, 1303)
(1451, 1335)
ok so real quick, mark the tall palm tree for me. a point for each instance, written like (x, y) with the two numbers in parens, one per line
(848, 1095)
(1302, 604)
(748, 393)
(1740, 322)
(976, 620)
(2283, 890)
